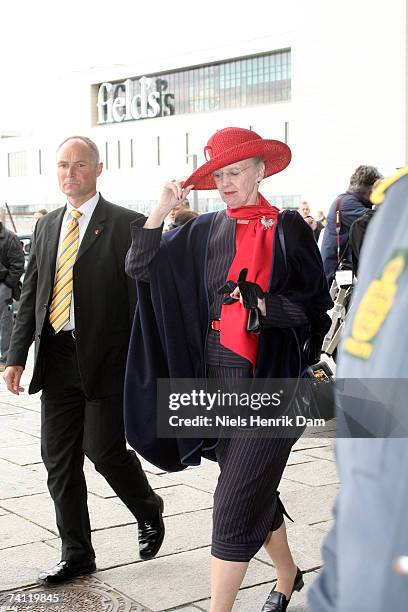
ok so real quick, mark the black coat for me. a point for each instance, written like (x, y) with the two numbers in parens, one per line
(104, 298)
(172, 319)
(357, 234)
(11, 259)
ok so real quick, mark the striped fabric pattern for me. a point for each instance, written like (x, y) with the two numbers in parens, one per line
(246, 500)
(63, 285)
(221, 252)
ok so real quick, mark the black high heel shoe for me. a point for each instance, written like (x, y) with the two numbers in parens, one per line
(277, 602)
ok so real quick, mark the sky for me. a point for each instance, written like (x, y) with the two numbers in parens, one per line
(42, 42)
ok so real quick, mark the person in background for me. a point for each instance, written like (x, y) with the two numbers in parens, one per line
(304, 210)
(38, 214)
(320, 224)
(313, 224)
(171, 217)
(77, 303)
(183, 216)
(11, 270)
(366, 551)
(321, 218)
(345, 209)
(192, 322)
(358, 231)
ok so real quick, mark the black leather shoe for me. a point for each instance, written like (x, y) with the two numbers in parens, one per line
(151, 534)
(277, 602)
(65, 571)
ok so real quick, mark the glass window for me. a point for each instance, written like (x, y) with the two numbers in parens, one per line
(252, 80)
(17, 163)
(106, 156)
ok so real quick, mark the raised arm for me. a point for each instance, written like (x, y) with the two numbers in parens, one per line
(146, 239)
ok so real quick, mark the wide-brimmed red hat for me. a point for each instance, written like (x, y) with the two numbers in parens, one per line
(232, 145)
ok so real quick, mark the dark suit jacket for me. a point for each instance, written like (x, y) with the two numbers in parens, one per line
(104, 298)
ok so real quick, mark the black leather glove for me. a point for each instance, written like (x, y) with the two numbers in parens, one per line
(227, 289)
(250, 292)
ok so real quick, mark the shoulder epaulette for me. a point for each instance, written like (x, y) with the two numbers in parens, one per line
(378, 193)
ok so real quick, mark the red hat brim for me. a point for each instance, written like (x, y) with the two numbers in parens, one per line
(276, 155)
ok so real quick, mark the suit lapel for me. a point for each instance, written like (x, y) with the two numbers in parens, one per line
(95, 227)
(54, 230)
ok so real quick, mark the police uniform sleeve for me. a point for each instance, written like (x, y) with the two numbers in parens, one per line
(322, 594)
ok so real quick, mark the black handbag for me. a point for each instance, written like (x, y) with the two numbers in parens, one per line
(314, 397)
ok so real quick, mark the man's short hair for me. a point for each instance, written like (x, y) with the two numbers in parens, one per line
(89, 143)
(363, 179)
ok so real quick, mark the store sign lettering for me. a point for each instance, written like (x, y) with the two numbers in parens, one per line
(134, 99)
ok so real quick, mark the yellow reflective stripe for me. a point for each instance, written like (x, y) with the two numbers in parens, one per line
(378, 194)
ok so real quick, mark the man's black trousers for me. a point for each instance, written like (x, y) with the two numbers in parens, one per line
(73, 426)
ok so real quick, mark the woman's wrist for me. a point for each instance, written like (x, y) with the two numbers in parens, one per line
(155, 219)
(172, 193)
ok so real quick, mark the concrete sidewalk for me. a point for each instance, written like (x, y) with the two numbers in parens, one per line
(178, 578)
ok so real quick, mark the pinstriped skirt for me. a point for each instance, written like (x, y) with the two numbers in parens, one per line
(246, 500)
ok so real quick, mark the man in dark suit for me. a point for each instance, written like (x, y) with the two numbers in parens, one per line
(78, 304)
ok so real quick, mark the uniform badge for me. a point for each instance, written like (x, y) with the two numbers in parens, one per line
(378, 194)
(375, 306)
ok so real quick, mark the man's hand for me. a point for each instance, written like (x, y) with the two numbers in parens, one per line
(12, 376)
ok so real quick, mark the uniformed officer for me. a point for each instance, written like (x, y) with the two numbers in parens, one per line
(366, 552)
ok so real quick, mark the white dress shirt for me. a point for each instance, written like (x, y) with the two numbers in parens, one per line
(86, 209)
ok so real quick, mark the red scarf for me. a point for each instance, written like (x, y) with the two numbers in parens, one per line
(254, 244)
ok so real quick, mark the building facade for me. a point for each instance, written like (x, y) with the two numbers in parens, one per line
(333, 85)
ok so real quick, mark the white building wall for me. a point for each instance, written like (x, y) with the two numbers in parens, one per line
(349, 79)
(348, 107)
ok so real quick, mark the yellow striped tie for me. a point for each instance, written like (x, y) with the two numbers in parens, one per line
(62, 292)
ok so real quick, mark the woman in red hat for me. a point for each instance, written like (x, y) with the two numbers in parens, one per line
(196, 287)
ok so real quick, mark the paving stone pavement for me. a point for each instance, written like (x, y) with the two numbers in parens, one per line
(178, 578)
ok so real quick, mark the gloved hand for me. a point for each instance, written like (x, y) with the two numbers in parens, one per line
(226, 289)
(250, 292)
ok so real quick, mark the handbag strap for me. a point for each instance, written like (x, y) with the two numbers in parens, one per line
(281, 237)
(338, 227)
